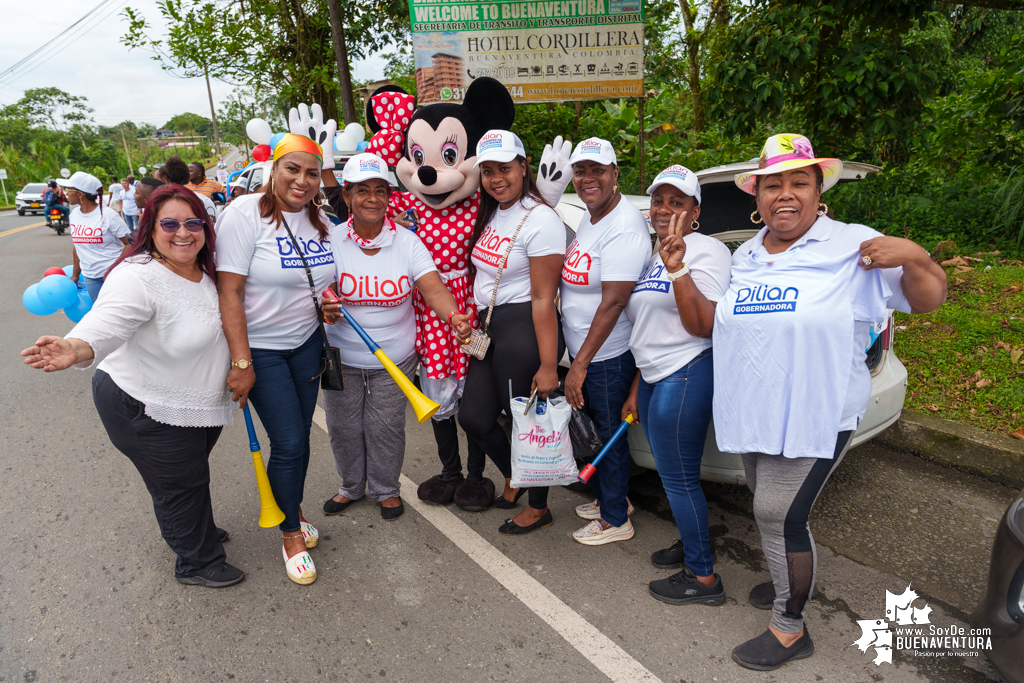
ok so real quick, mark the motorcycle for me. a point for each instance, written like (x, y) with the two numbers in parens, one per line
(56, 221)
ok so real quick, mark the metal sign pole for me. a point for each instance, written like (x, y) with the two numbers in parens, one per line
(4, 185)
(641, 145)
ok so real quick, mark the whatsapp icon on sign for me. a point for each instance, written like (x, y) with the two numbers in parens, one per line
(446, 93)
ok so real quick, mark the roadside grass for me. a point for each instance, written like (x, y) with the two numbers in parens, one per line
(966, 360)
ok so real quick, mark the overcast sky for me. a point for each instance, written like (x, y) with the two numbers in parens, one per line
(119, 84)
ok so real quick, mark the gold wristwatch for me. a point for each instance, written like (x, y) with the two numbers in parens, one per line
(241, 364)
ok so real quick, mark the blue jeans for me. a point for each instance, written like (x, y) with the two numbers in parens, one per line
(92, 285)
(284, 397)
(604, 391)
(132, 222)
(675, 414)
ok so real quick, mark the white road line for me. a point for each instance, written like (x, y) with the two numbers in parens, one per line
(597, 648)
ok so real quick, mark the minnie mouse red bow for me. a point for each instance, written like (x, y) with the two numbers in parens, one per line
(392, 110)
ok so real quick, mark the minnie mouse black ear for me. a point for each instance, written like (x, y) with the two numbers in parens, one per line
(490, 103)
(371, 118)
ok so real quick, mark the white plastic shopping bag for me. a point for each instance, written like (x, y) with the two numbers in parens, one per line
(541, 446)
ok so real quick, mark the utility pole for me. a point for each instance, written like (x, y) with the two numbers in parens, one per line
(126, 154)
(213, 112)
(348, 105)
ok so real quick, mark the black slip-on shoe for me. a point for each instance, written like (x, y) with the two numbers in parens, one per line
(218, 576)
(222, 534)
(510, 528)
(439, 489)
(762, 596)
(333, 507)
(766, 653)
(684, 589)
(474, 496)
(391, 514)
(503, 504)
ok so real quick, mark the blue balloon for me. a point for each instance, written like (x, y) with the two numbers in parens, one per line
(81, 307)
(32, 303)
(69, 270)
(57, 291)
(361, 147)
(274, 140)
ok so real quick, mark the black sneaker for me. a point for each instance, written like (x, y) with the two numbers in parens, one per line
(218, 576)
(762, 596)
(766, 653)
(673, 556)
(684, 589)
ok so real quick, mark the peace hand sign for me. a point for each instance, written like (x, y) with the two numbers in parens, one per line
(673, 248)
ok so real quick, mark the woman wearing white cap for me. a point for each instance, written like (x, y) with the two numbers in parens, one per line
(517, 247)
(377, 267)
(807, 288)
(601, 266)
(98, 237)
(673, 310)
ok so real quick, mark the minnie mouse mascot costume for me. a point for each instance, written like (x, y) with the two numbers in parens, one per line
(433, 151)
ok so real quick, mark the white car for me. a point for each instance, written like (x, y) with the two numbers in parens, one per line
(725, 213)
(30, 199)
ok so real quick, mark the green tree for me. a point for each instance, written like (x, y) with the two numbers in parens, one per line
(190, 124)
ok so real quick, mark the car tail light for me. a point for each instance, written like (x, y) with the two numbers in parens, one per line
(887, 334)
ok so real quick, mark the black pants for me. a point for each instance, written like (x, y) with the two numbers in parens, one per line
(175, 465)
(513, 355)
(446, 433)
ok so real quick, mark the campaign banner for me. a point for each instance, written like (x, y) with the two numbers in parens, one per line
(557, 51)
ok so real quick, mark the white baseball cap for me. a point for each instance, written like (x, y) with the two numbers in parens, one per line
(83, 182)
(680, 178)
(499, 145)
(594, 149)
(364, 166)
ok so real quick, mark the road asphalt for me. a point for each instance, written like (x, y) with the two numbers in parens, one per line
(87, 590)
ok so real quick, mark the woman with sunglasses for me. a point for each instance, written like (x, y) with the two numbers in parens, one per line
(271, 322)
(99, 237)
(161, 361)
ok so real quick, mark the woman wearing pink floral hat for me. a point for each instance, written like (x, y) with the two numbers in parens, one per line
(807, 288)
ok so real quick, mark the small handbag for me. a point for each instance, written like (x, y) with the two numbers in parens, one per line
(330, 358)
(479, 340)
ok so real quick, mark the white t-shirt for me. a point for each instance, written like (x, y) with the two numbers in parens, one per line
(159, 337)
(97, 239)
(659, 342)
(542, 234)
(279, 308)
(616, 249)
(128, 201)
(114, 193)
(378, 294)
(790, 338)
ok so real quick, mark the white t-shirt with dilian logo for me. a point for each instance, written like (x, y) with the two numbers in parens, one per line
(97, 239)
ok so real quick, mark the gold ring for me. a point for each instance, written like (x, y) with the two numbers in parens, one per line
(866, 260)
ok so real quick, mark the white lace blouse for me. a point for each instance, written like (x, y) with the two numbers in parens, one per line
(159, 337)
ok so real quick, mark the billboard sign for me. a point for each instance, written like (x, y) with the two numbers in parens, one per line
(556, 51)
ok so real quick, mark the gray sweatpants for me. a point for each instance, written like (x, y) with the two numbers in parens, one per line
(784, 493)
(366, 423)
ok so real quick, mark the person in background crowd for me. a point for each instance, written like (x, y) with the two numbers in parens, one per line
(159, 384)
(98, 237)
(158, 173)
(238, 188)
(54, 198)
(526, 340)
(366, 421)
(114, 194)
(176, 171)
(143, 189)
(611, 248)
(808, 289)
(199, 183)
(272, 325)
(128, 207)
(672, 309)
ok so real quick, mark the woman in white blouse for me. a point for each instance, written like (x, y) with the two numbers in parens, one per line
(160, 387)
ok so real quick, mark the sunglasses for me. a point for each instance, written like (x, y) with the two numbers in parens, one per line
(172, 224)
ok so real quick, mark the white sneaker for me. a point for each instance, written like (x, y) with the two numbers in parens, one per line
(310, 536)
(593, 510)
(595, 534)
(300, 567)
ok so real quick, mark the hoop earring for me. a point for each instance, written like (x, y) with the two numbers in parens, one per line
(822, 208)
(323, 200)
(695, 226)
(757, 220)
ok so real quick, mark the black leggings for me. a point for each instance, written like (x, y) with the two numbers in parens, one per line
(514, 356)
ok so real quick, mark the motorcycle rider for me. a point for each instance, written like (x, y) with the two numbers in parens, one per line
(54, 198)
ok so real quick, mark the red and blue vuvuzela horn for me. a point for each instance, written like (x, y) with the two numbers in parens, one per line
(591, 467)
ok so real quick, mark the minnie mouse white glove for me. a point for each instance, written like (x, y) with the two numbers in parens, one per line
(301, 122)
(554, 173)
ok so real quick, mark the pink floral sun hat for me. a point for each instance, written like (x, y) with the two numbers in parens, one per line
(786, 152)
